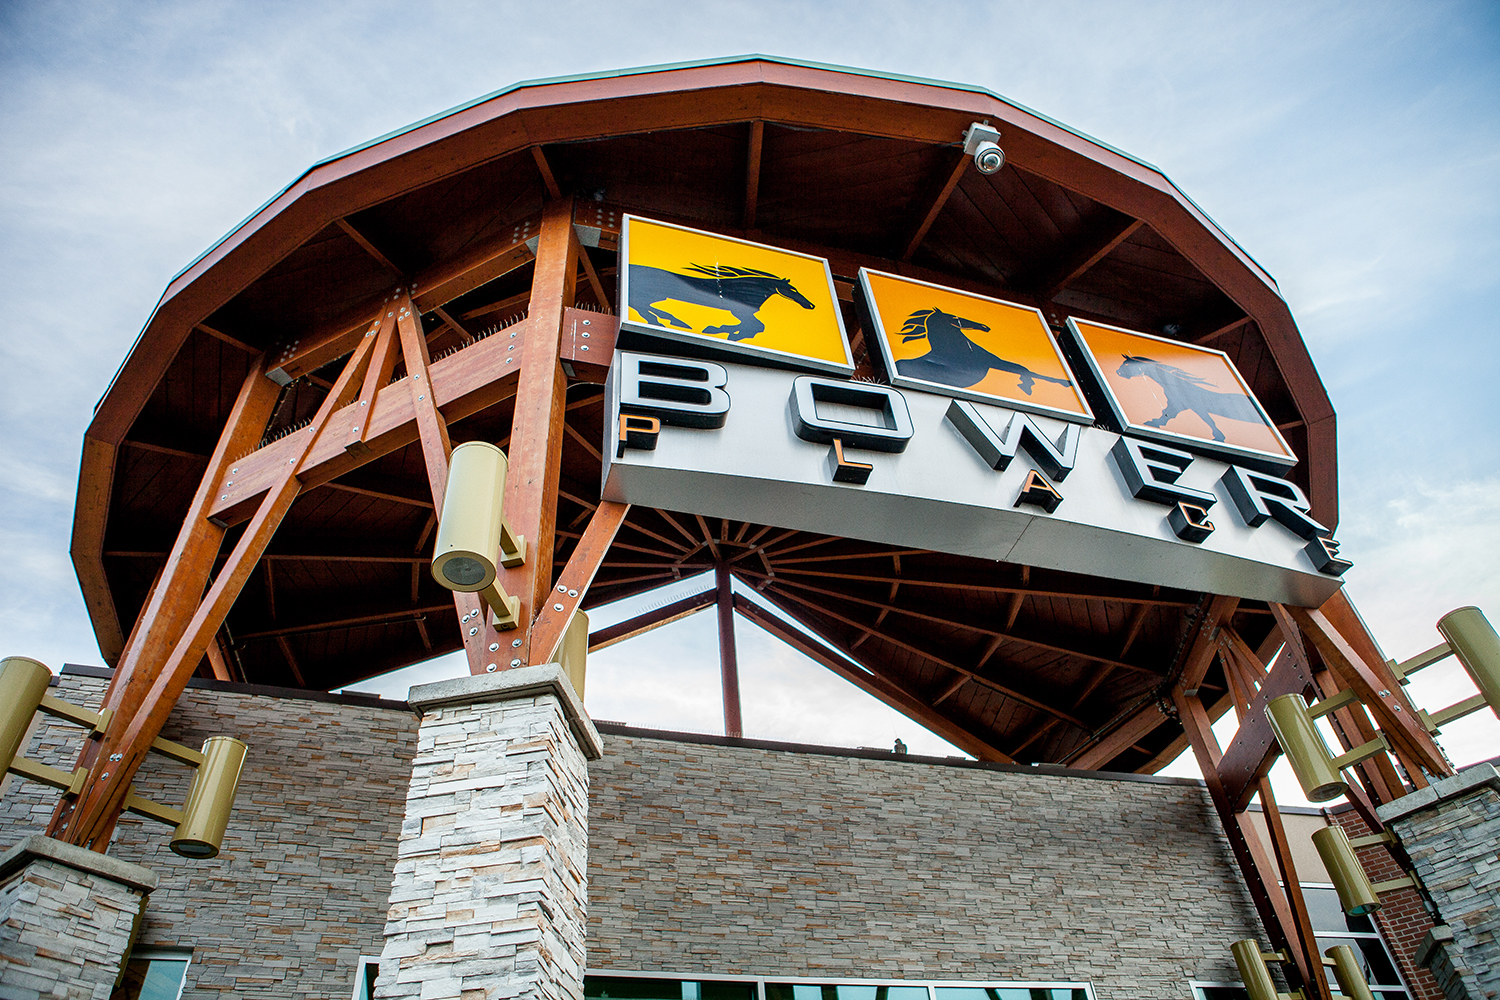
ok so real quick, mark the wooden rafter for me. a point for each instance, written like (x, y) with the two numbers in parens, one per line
(752, 172)
(369, 248)
(956, 619)
(641, 624)
(729, 670)
(954, 167)
(1083, 256)
(922, 651)
(871, 682)
(956, 583)
(549, 180)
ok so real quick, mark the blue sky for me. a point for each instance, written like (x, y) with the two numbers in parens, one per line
(1352, 149)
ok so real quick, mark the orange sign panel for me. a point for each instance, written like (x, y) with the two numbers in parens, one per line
(1192, 396)
(731, 295)
(960, 344)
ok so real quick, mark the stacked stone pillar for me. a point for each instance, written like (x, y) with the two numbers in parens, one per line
(1451, 830)
(490, 889)
(68, 917)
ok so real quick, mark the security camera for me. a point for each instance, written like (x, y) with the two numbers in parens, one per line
(982, 141)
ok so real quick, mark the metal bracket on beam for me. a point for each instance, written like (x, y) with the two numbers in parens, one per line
(57, 708)
(1406, 668)
(1362, 752)
(1332, 704)
(56, 777)
(512, 547)
(1466, 707)
(151, 810)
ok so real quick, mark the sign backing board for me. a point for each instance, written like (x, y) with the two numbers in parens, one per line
(940, 494)
(970, 346)
(731, 296)
(1182, 394)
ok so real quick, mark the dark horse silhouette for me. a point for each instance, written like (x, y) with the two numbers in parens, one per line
(954, 359)
(739, 290)
(1186, 391)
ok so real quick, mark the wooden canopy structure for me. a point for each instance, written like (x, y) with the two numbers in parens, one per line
(259, 485)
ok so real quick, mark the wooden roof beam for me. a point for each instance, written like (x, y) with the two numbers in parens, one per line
(752, 172)
(986, 588)
(369, 248)
(872, 683)
(1135, 728)
(641, 624)
(347, 621)
(927, 654)
(549, 180)
(953, 173)
(1084, 254)
(927, 613)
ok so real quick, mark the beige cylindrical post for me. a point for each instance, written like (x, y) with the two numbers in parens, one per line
(205, 816)
(468, 538)
(1304, 748)
(1253, 972)
(1473, 640)
(1356, 894)
(23, 683)
(1346, 970)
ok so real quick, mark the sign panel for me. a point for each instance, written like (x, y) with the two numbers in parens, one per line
(913, 468)
(731, 296)
(1190, 396)
(969, 346)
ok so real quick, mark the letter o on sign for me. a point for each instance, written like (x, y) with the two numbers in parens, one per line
(860, 414)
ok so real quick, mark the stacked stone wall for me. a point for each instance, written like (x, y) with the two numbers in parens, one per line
(299, 892)
(712, 859)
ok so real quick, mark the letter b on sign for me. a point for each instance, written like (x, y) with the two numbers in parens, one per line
(680, 391)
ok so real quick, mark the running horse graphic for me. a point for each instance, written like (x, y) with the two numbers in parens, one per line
(954, 359)
(738, 290)
(1186, 391)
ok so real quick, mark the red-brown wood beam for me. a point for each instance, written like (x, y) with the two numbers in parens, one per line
(729, 667)
(549, 180)
(1302, 926)
(464, 383)
(600, 295)
(217, 661)
(1083, 257)
(346, 621)
(1205, 646)
(954, 173)
(967, 586)
(752, 173)
(927, 654)
(382, 363)
(1255, 865)
(226, 338)
(1133, 729)
(369, 248)
(577, 576)
(871, 682)
(1376, 687)
(179, 584)
(641, 624)
(1227, 328)
(291, 660)
(531, 485)
(129, 734)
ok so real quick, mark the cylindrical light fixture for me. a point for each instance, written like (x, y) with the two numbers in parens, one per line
(1304, 748)
(23, 683)
(1253, 972)
(205, 816)
(468, 538)
(1346, 970)
(1356, 894)
(1473, 640)
(574, 654)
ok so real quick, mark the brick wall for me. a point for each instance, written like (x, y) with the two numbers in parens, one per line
(1402, 918)
(730, 859)
(300, 890)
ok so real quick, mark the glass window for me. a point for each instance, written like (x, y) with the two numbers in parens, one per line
(649, 988)
(364, 978)
(1219, 991)
(153, 975)
(1009, 993)
(845, 991)
(1333, 926)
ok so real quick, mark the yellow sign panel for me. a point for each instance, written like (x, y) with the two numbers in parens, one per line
(1181, 393)
(969, 346)
(704, 289)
